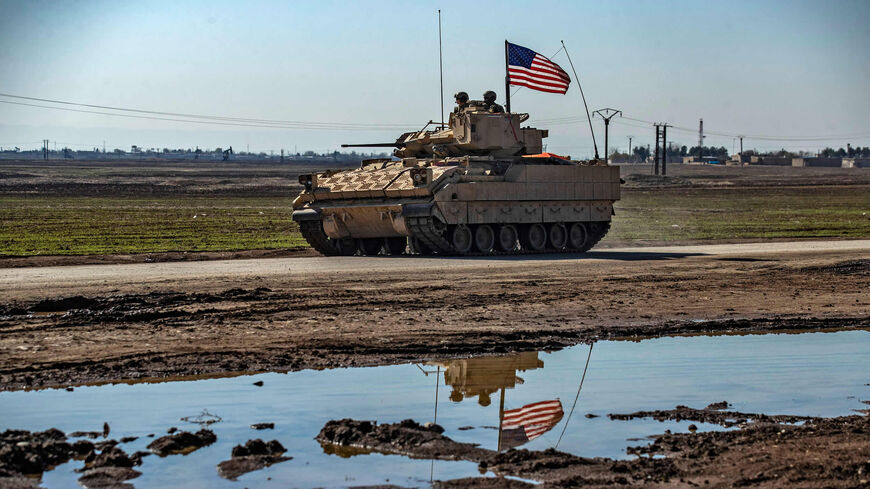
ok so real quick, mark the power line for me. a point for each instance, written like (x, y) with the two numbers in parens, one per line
(765, 138)
(688, 130)
(313, 125)
(207, 119)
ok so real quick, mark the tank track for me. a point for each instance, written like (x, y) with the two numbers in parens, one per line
(431, 234)
(312, 231)
(595, 236)
(427, 231)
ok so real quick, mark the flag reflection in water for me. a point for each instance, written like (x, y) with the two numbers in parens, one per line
(482, 377)
(524, 424)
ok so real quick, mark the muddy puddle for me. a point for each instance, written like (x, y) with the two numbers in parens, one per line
(520, 400)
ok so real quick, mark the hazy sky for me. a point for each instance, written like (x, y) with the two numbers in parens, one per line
(786, 68)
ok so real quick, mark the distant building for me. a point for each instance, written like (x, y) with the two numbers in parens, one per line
(771, 160)
(706, 160)
(817, 162)
(856, 162)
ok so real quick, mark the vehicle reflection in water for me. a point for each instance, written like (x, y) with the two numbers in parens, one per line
(481, 377)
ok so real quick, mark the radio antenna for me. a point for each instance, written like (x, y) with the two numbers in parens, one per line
(588, 117)
(441, 68)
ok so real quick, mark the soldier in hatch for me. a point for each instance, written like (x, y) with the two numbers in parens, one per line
(461, 102)
(489, 103)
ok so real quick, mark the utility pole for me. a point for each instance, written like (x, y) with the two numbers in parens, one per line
(664, 149)
(629, 146)
(741, 148)
(656, 159)
(45, 149)
(701, 141)
(607, 114)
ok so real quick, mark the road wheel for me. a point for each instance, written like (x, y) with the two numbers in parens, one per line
(461, 239)
(578, 235)
(369, 246)
(534, 237)
(557, 236)
(507, 237)
(395, 246)
(484, 238)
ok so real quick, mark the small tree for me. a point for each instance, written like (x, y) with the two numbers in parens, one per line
(641, 152)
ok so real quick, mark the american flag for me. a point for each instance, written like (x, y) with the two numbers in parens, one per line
(527, 68)
(524, 424)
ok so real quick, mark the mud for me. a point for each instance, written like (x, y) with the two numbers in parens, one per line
(112, 332)
(109, 469)
(712, 414)
(253, 455)
(182, 442)
(108, 478)
(852, 267)
(764, 453)
(483, 483)
(24, 455)
(336, 353)
(406, 437)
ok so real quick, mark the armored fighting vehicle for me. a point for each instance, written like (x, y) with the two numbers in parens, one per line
(481, 185)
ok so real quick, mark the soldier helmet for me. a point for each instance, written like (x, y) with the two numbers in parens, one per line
(461, 97)
(489, 96)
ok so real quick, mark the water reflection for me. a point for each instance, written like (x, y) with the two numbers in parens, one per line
(484, 376)
(817, 374)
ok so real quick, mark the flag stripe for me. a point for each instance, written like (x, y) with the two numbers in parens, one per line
(531, 415)
(544, 64)
(519, 71)
(533, 406)
(521, 425)
(537, 80)
(542, 418)
(536, 87)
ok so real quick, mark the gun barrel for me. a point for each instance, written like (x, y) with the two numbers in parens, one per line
(374, 145)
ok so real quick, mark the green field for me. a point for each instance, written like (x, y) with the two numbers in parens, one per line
(52, 225)
(743, 213)
(67, 225)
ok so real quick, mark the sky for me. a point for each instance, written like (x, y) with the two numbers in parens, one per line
(791, 69)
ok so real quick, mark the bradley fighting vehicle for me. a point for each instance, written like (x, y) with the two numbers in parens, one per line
(480, 186)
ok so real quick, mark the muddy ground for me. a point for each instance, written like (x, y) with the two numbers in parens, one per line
(71, 334)
(765, 452)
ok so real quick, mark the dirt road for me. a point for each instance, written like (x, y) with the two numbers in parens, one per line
(29, 283)
(63, 325)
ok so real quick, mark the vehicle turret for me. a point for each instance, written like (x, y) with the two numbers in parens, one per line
(474, 131)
